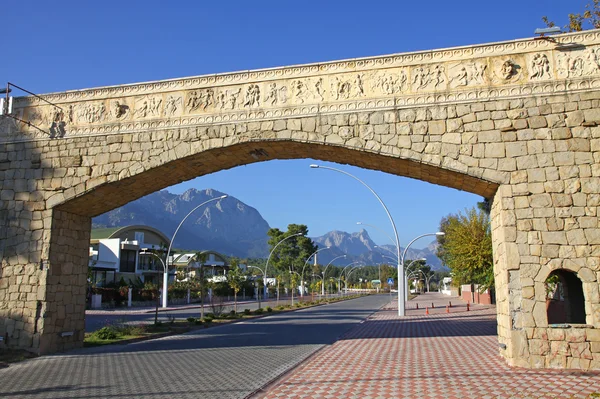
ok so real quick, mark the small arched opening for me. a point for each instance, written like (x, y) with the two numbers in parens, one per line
(564, 298)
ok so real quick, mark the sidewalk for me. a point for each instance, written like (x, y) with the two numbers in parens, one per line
(441, 355)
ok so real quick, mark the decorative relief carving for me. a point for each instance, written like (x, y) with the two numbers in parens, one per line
(467, 74)
(539, 67)
(428, 78)
(576, 64)
(146, 107)
(119, 110)
(252, 96)
(390, 83)
(363, 84)
(173, 105)
(91, 113)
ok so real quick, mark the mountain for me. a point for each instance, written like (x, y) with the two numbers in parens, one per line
(233, 228)
(227, 226)
(360, 247)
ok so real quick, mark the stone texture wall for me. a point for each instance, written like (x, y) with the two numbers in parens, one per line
(535, 154)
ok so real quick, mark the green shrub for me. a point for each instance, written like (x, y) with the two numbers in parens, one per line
(191, 319)
(106, 333)
(298, 305)
(246, 311)
(269, 309)
(198, 322)
(258, 311)
(232, 312)
(280, 307)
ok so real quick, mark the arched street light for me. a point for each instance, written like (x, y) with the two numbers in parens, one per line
(401, 300)
(257, 288)
(439, 233)
(375, 227)
(269, 258)
(342, 272)
(384, 248)
(305, 263)
(322, 281)
(325, 270)
(408, 268)
(166, 276)
(145, 252)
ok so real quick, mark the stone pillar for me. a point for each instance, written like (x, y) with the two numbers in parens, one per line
(64, 284)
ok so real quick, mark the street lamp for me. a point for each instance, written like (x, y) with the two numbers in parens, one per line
(439, 233)
(401, 310)
(305, 263)
(375, 227)
(269, 258)
(322, 281)
(145, 252)
(384, 248)
(408, 268)
(166, 276)
(342, 272)
(257, 288)
(324, 270)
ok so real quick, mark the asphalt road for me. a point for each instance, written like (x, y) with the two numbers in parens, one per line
(230, 361)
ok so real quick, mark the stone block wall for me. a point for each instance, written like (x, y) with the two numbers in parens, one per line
(536, 154)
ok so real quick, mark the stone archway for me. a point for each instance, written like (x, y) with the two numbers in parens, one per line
(511, 121)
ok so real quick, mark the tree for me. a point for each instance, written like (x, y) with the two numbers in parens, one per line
(293, 251)
(467, 248)
(235, 279)
(589, 19)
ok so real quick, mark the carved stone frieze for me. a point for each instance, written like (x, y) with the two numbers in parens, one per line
(454, 75)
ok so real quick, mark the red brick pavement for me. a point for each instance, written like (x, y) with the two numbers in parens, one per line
(440, 355)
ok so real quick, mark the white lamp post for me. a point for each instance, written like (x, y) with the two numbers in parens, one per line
(408, 268)
(166, 276)
(257, 290)
(342, 272)
(145, 252)
(269, 258)
(401, 310)
(305, 263)
(439, 233)
(324, 270)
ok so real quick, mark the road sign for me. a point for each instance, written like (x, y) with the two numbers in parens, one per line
(390, 281)
(376, 282)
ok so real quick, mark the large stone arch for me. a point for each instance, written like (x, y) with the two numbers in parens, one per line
(514, 121)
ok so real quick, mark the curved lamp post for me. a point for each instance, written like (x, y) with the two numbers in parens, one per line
(439, 233)
(342, 272)
(325, 270)
(257, 290)
(305, 263)
(166, 276)
(401, 300)
(145, 252)
(269, 258)
(408, 268)
(375, 227)
(322, 281)
(384, 248)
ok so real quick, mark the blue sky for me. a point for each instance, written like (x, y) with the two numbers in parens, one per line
(66, 45)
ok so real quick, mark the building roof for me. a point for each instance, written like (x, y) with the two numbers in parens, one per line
(112, 232)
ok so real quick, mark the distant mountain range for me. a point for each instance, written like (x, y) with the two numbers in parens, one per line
(236, 229)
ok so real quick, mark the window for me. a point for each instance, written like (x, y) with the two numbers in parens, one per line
(564, 298)
(127, 264)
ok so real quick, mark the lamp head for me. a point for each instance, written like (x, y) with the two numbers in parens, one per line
(440, 233)
(144, 249)
(423, 259)
(223, 196)
(358, 222)
(314, 166)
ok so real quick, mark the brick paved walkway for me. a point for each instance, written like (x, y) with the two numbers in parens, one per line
(438, 355)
